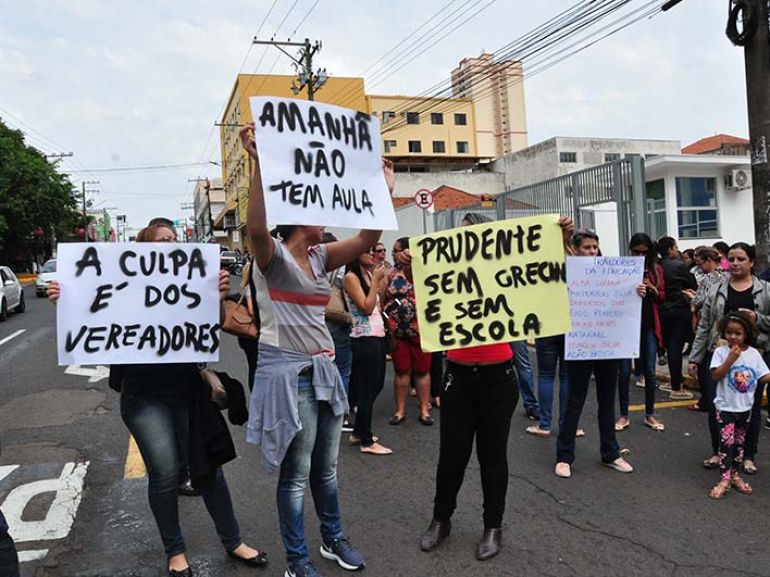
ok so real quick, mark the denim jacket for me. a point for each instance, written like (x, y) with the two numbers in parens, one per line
(273, 407)
(707, 333)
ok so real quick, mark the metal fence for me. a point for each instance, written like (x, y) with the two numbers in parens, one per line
(620, 185)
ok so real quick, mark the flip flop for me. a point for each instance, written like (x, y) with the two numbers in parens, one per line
(709, 464)
(622, 427)
(657, 426)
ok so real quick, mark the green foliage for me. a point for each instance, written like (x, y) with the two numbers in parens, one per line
(33, 197)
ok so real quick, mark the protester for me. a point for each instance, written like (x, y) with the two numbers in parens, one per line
(707, 259)
(296, 372)
(408, 358)
(742, 291)
(738, 369)
(364, 285)
(378, 253)
(478, 400)
(675, 315)
(250, 347)
(338, 322)
(156, 403)
(585, 242)
(650, 337)
(723, 249)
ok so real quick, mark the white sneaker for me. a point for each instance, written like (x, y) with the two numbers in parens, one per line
(563, 470)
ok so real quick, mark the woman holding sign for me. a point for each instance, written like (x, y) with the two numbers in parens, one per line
(479, 397)
(298, 400)
(585, 242)
(156, 403)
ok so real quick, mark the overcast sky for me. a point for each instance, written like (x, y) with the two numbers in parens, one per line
(141, 83)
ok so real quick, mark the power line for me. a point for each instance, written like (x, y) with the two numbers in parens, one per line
(141, 168)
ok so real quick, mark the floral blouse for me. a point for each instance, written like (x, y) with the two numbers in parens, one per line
(712, 279)
(400, 306)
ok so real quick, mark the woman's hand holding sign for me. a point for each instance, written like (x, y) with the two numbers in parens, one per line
(54, 291)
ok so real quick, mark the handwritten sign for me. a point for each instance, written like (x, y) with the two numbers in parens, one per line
(490, 283)
(321, 165)
(605, 309)
(137, 303)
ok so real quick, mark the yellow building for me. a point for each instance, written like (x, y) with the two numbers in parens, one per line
(483, 119)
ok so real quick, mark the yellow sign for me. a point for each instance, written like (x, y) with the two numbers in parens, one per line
(490, 283)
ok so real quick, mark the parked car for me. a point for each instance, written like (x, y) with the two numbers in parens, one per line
(11, 293)
(45, 276)
(227, 258)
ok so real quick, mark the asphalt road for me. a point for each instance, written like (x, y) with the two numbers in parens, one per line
(62, 471)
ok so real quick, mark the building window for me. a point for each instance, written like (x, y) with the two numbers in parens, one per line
(461, 119)
(415, 146)
(413, 118)
(436, 118)
(387, 115)
(696, 207)
(610, 156)
(439, 147)
(389, 145)
(462, 147)
(568, 157)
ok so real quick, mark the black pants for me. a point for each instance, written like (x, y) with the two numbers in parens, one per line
(708, 390)
(676, 325)
(476, 401)
(9, 560)
(367, 377)
(436, 374)
(755, 424)
(579, 372)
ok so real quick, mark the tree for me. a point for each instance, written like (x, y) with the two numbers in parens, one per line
(37, 204)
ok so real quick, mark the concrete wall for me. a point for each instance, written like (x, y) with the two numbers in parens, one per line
(407, 184)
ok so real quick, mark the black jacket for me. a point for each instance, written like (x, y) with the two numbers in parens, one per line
(676, 277)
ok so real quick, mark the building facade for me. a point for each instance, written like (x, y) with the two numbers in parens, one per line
(208, 201)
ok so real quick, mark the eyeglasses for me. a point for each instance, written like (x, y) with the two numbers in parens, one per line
(379, 250)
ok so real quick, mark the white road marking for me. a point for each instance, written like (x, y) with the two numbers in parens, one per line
(12, 336)
(61, 514)
(6, 470)
(32, 555)
(94, 374)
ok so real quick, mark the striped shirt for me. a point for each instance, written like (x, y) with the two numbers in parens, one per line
(292, 305)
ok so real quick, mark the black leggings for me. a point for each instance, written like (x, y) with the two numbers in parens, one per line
(676, 324)
(367, 377)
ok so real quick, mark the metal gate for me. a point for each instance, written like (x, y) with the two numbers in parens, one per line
(620, 184)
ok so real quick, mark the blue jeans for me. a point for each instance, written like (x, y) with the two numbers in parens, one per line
(550, 351)
(648, 350)
(343, 354)
(311, 456)
(524, 372)
(158, 426)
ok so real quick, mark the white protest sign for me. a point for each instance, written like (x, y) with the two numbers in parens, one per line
(321, 165)
(605, 309)
(125, 303)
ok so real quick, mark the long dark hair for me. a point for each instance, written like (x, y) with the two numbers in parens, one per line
(651, 259)
(743, 319)
(665, 244)
(355, 268)
(284, 231)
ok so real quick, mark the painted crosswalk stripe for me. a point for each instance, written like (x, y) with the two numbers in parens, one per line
(12, 336)
(32, 555)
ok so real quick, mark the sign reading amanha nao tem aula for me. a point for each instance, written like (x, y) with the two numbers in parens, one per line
(491, 282)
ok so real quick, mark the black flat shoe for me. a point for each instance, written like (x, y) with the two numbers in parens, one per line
(436, 533)
(397, 420)
(186, 489)
(489, 546)
(426, 421)
(183, 573)
(259, 560)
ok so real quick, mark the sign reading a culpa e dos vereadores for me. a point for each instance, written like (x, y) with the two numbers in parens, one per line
(137, 303)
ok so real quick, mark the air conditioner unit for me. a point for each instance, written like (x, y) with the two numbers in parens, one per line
(738, 179)
(229, 221)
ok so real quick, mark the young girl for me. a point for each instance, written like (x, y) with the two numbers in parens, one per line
(737, 367)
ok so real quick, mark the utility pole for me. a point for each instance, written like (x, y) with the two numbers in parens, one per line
(85, 214)
(755, 39)
(57, 157)
(312, 81)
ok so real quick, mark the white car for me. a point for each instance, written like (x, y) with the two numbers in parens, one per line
(11, 293)
(45, 276)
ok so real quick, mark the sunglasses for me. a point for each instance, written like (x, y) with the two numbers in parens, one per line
(379, 250)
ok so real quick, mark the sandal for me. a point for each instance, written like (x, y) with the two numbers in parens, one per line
(654, 424)
(538, 432)
(749, 467)
(719, 490)
(741, 486)
(711, 463)
(622, 424)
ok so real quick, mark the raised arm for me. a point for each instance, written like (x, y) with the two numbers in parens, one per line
(344, 251)
(256, 220)
(365, 302)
